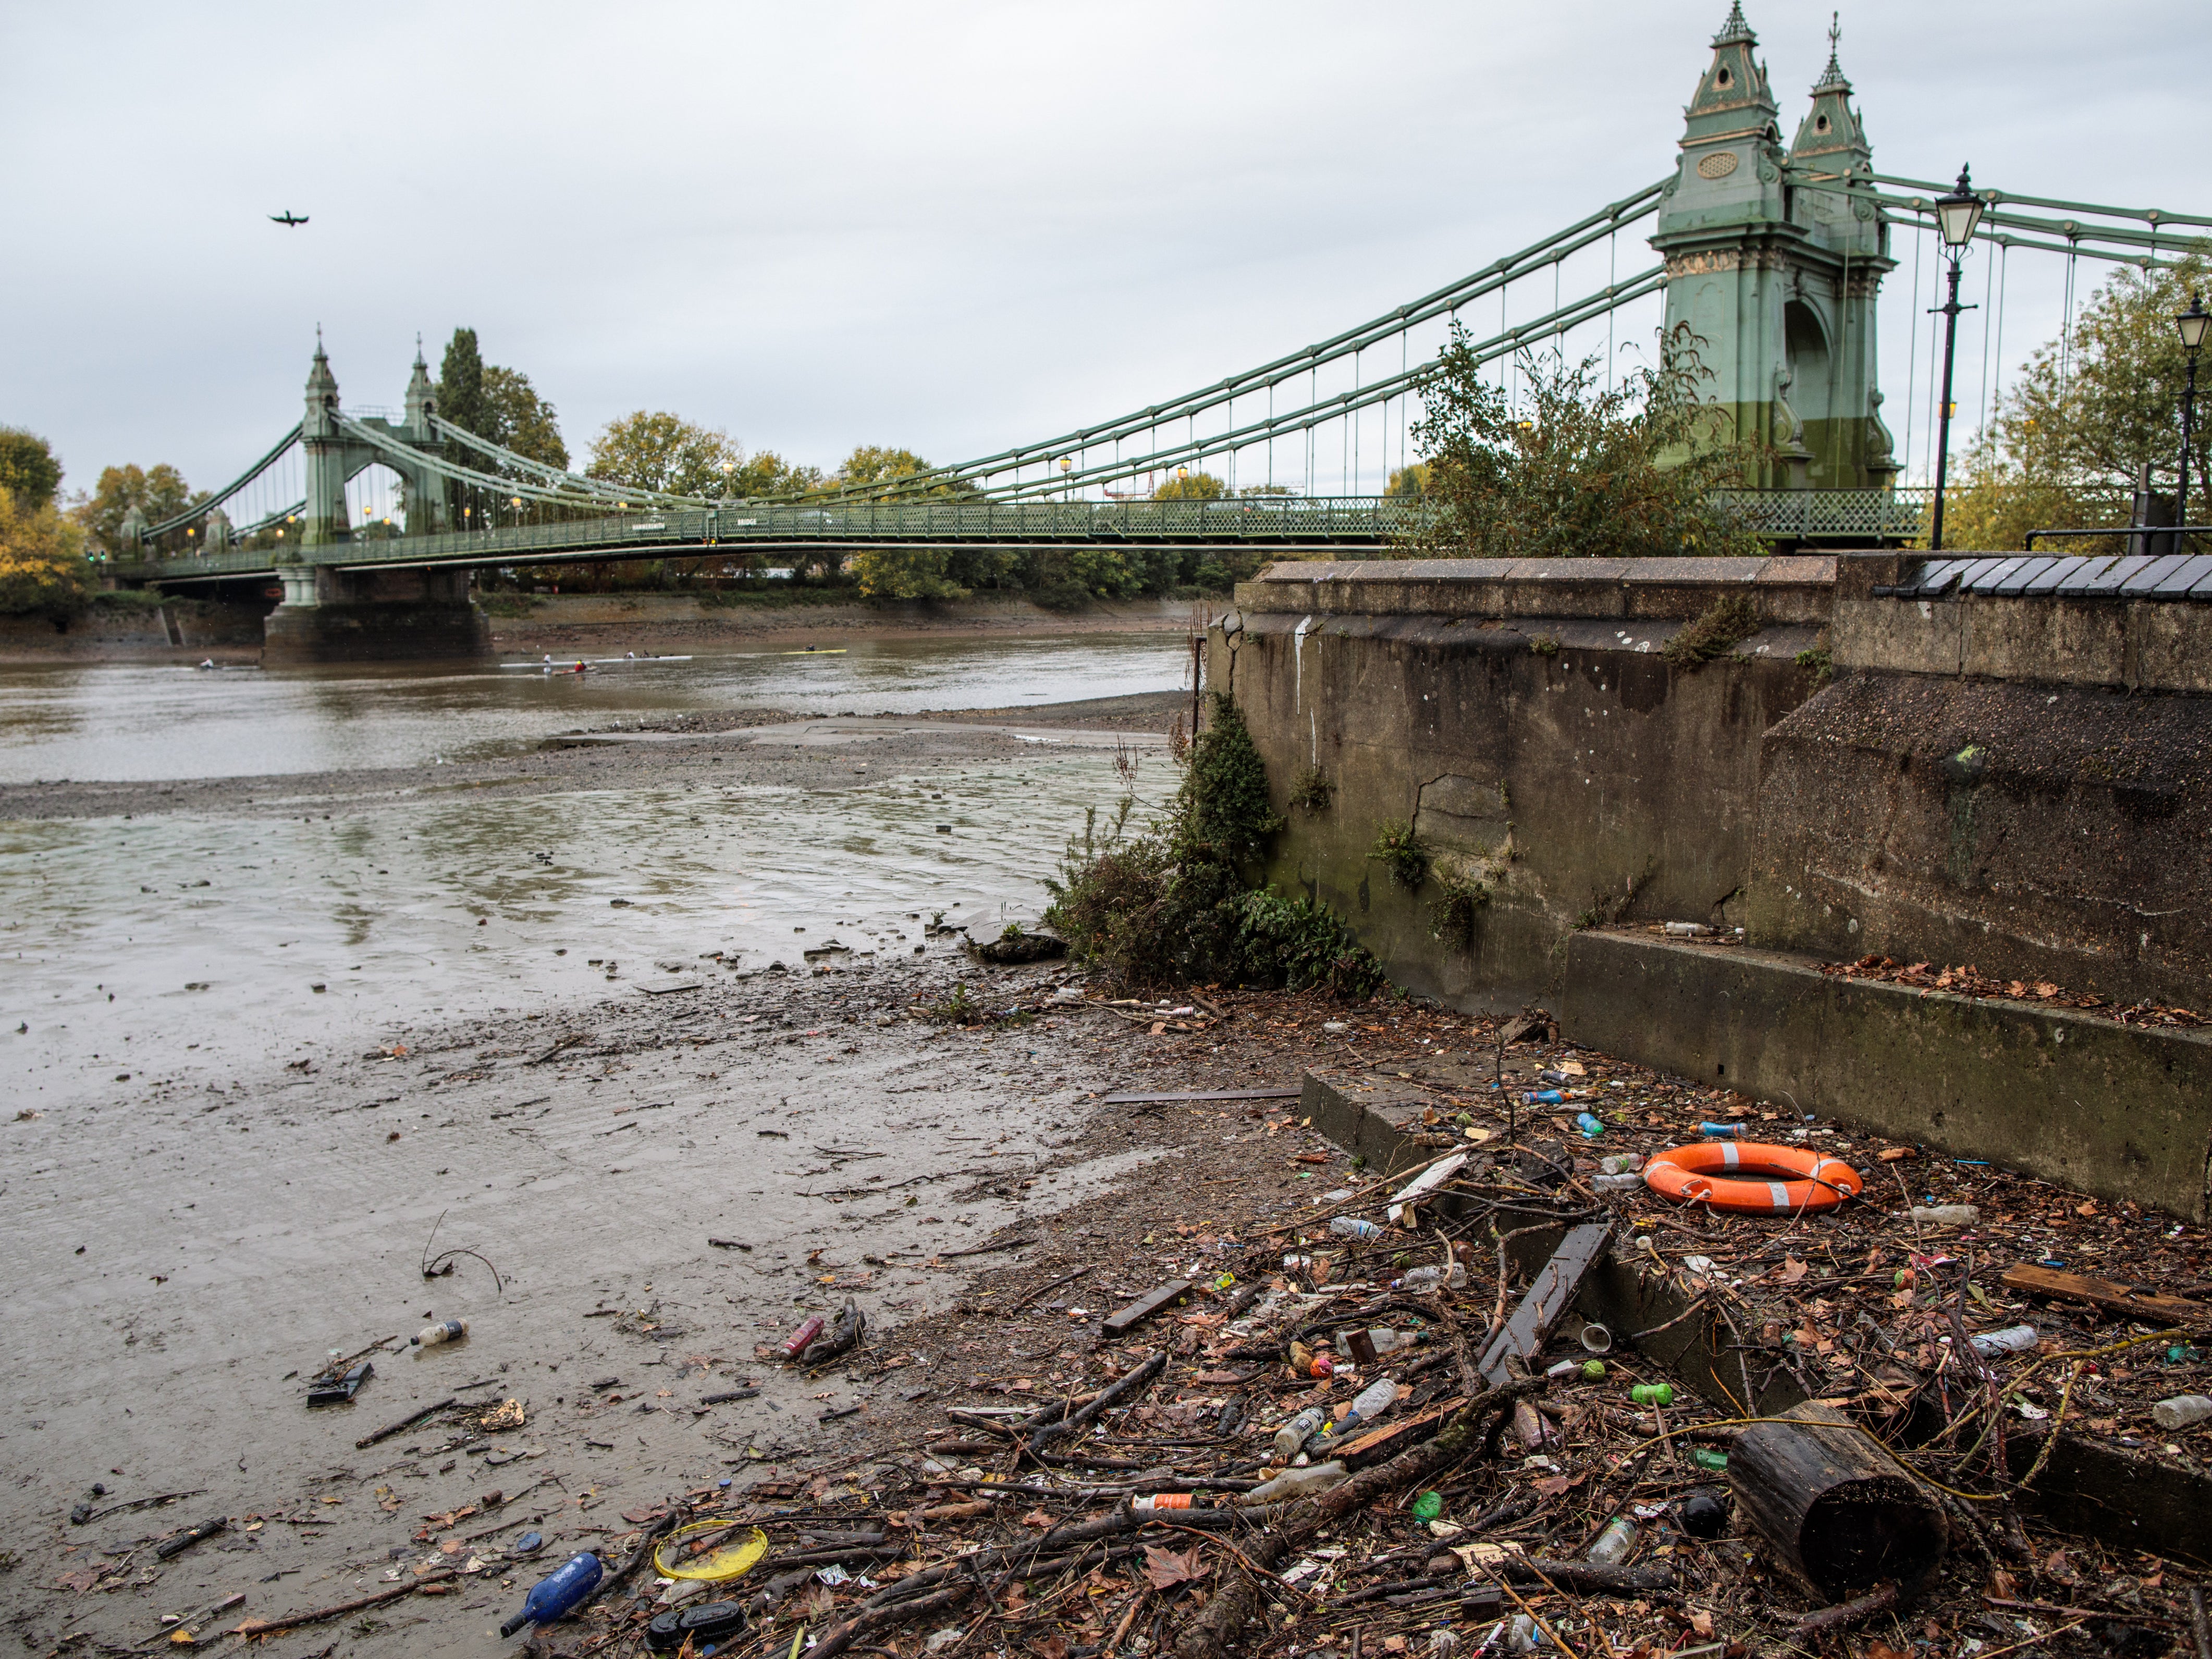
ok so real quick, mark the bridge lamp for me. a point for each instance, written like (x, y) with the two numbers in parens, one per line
(2191, 325)
(1958, 216)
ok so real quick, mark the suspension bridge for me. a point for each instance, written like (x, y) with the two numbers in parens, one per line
(1773, 256)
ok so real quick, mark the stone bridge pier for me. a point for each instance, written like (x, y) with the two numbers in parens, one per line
(332, 615)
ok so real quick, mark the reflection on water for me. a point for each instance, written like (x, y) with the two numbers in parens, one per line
(136, 722)
(174, 949)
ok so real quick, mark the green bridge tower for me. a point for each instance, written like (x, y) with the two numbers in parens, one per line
(1775, 275)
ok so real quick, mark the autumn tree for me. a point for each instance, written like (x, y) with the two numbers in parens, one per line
(2071, 440)
(1576, 469)
(158, 492)
(27, 467)
(1191, 487)
(42, 567)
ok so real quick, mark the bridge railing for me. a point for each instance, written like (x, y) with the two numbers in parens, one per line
(1830, 515)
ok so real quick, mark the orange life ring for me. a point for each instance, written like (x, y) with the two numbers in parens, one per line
(1747, 1178)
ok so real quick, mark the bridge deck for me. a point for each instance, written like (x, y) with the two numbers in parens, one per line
(1285, 521)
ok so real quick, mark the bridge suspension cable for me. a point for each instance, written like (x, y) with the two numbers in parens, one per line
(200, 508)
(553, 476)
(1597, 227)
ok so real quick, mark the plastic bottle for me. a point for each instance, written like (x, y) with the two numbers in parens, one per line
(1525, 1635)
(1298, 1483)
(1591, 1124)
(445, 1330)
(2013, 1339)
(1615, 1543)
(1946, 1215)
(1627, 1182)
(1722, 1131)
(2181, 1411)
(1713, 1462)
(558, 1596)
(1428, 1279)
(1687, 930)
(1652, 1394)
(1541, 1097)
(796, 1342)
(1161, 1501)
(1388, 1341)
(1292, 1435)
(1346, 1226)
(1373, 1400)
(1620, 1163)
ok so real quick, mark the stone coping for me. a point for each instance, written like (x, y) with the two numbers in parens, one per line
(1787, 588)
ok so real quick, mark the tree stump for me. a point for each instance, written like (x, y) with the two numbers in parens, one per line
(1836, 1511)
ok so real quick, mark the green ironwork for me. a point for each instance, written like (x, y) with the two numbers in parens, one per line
(1777, 282)
(1291, 522)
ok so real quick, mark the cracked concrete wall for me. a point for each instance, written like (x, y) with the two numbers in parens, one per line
(1557, 761)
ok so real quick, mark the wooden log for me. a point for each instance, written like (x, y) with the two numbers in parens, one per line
(2108, 1294)
(1836, 1511)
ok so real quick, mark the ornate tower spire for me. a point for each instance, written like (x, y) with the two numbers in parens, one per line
(421, 396)
(1733, 93)
(1831, 139)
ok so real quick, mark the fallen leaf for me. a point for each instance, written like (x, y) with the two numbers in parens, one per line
(1036, 1518)
(1166, 1568)
(1792, 1270)
(1553, 1486)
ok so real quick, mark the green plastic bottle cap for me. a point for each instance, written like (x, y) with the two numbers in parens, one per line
(1428, 1506)
(1593, 1369)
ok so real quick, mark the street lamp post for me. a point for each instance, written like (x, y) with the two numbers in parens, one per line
(2192, 324)
(1958, 213)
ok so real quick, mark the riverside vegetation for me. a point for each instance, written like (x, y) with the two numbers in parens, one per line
(1179, 900)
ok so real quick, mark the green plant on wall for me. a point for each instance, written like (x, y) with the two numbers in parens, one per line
(1463, 893)
(1725, 624)
(1312, 790)
(1544, 645)
(1400, 849)
(1816, 659)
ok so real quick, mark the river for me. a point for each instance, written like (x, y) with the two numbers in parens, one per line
(166, 950)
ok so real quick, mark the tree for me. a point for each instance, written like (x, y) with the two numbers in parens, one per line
(42, 567)
(2069, 442)
(869, 464)
(1191, 487)
(158, 492)
(460, 383)
(1412, 480)
(663, 452)
(517, 418)
(27, 467)
(1576, 471)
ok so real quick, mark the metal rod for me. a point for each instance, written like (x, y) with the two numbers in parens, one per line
(1950, 308)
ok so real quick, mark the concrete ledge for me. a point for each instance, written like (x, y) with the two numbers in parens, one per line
(2117, 1111)
(2140, 645)
(1794, 588)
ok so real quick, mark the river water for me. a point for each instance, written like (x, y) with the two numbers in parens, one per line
(140, 723)
(168, 949)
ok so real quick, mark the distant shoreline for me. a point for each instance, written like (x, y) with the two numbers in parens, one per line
(599, 623)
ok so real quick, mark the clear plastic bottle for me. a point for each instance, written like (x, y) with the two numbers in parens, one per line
(1160, 1503)
(1615, 1543)
(445, 1330)
(1346, 1226)
(2013, 1339)
(1298, 1483)
(1946, 1215)
(1294, 1433)
(2181, 1412)
(1428, 1279)
(1620, 1163)
(1627, 1182)
(558, 1596)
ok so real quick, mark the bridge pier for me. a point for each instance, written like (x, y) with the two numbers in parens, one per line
(336, 615)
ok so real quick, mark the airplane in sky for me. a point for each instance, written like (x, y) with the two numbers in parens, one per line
(287, 217)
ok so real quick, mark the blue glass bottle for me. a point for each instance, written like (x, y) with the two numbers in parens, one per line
(557, 1596)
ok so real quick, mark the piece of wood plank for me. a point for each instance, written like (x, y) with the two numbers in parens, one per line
(1213, 1094)
(1146, 1305)
(1387, 1439)
(2109, 1294)
(1555, 1285)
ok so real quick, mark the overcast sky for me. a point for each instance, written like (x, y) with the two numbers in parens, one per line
(952, 227)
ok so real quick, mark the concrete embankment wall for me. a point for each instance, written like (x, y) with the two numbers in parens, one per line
(546, 623)
(181, 629)
(1973, 785)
